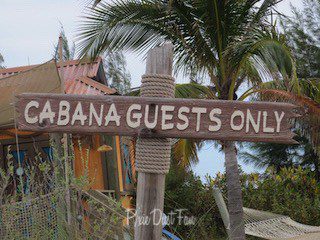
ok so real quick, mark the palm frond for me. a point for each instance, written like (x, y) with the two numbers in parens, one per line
(139, 25)
(185, 152)
(276, 94)
(1, 61)
(187, 90)
(264, 10)
(262, 53)
(193, 90)
(68, 51)
(250, 158)
(135, 92)
(200, 30)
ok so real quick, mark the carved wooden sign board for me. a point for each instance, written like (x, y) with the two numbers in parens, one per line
(155, 117)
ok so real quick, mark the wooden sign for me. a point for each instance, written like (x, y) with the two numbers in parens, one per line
(154, 117)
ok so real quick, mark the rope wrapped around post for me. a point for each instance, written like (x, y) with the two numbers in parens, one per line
(153, 154)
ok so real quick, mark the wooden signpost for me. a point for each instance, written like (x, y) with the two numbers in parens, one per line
(157, 117)
(153, 118)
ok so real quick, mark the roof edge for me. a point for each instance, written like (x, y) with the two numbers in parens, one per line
(25, 68)
(99, 86)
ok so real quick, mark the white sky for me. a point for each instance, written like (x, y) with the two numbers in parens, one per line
(30, 28)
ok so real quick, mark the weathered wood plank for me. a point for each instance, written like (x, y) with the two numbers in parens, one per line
(150, 186)
(157, 117)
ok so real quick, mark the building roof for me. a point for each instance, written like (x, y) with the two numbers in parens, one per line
(39, 79)
(87, 86)
(80, 77)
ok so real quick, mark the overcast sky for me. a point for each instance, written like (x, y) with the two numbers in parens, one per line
(30, 28)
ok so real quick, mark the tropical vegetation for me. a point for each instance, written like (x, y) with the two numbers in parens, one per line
(68, 50)
(185, 190)
(292, 192)
(278, 156)
(1, 61)
(232, 42)
(114, 63)
(246, 56)
(302, 31)
(116, 72)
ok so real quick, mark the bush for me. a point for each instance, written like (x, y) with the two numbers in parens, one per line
(184, 190)
(293, 192)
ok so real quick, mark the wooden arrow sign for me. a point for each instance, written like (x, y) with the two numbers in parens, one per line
(154, 117)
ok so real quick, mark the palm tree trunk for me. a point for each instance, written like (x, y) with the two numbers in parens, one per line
(235, 205)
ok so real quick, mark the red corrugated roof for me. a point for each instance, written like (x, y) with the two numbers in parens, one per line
(6, 72)
(87, 86)
(74, 69)
(78, 76)
(70, 69)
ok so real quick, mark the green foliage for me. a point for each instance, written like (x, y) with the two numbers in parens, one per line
(264, 155)
(184, 190)
(277, 156)
(303, 32)
(116, 73)
(185, 152)
(22, 181)
(68, 51)
(207, 36)
(1, 61)
(293, 192)
(53, 193)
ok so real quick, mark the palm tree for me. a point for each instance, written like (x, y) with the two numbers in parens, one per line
(301, 32)
(1, 61)
(67, 49)
(230, 41)
(278, 156)
(115, 66)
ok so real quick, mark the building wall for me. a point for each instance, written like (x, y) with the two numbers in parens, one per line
(88, 161)
(105, 170)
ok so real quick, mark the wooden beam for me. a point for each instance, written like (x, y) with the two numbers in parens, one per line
(119, 163)
(150, 189)
(188, 118)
